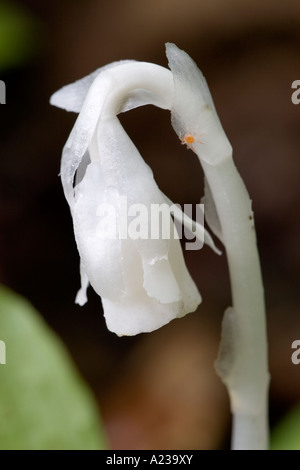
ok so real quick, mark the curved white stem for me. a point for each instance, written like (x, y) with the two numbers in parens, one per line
(242, 363)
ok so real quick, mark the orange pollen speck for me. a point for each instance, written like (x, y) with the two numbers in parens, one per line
(190, 139)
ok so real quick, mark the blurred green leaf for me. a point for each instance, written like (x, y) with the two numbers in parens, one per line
(44, 404)
(286, 435)
(18, 35)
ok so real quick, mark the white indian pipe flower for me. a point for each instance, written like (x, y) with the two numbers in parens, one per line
(143, 283)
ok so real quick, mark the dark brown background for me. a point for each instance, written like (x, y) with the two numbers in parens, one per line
(159, 391)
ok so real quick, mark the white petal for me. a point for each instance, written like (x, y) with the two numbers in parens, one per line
(193, 111)
(81, 136)
(137, 312)
(124, 168)
(72, 96)
(100, 253)
(143, 97)
(160, 282)
(137, 315)
(168, 280)
(119, 172)
(150, 280)
(191, 297)
(110, 93)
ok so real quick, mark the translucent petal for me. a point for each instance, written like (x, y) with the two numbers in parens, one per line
(160, 282)
(72, 96)
(116, 88)
(137, 315)
(116, 169)
(81, 135)
(167, 279)
(99, 249)
(142, 97)
(190, 295)
(138, 312)
(124, 168)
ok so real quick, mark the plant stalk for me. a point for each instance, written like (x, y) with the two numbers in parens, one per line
(243, 361)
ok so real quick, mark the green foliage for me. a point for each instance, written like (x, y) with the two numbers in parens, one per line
(44, 403)
(286, 435)
(18, 35)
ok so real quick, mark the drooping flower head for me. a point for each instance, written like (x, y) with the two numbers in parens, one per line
(143, 281)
